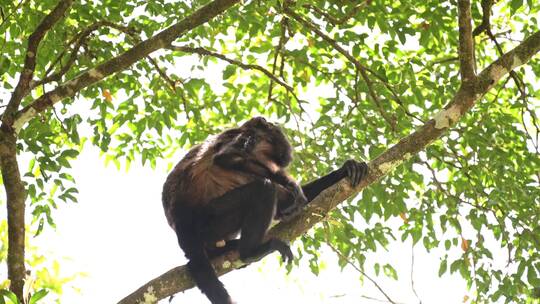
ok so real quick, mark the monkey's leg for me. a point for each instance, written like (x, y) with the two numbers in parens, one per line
(188, 223)
(215, 251)
(254, 204)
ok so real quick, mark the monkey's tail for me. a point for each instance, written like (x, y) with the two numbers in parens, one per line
(206, 279)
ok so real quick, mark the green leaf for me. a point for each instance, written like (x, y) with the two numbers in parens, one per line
(229, 72)
(40, 294)
(11, 297)
(515, 5)
(390, 272)
(532, 276)
(443, 267)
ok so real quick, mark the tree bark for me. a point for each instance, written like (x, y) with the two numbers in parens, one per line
(16, 196)
(178, 279)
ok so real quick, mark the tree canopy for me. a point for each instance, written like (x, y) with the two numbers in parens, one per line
(442, 98)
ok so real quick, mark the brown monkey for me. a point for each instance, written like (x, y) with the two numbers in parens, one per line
(236, 182)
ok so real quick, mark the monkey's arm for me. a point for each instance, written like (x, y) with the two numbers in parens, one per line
(237, 156)
(234, 159)
(351, 168)
(289, 206)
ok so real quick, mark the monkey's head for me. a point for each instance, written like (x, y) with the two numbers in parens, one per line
(273, 141)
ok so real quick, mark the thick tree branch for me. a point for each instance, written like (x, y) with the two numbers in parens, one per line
(178, 279)
(121, 62)
(16, 196)
(27, 72)
(466, 46)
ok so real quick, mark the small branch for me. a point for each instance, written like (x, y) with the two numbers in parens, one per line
(466, 44)
(390, 119)
(361, 272)
(60, 121)
(412, 275)
(486, 5)
(78, 40)
(279, 48)
(486, 16)
(337, 21)
(23, 86)
(171, 83)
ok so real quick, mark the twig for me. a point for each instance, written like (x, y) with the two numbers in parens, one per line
(486, 16)
(205, 52)
(279, 48)
(360, 271)
(78, 40)
(337, 21)
(412, 274)
(171, 83)
(60, 121)
(520, 84)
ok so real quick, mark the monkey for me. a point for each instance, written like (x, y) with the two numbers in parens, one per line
(236, 182)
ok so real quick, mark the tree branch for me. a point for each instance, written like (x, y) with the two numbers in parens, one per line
(121, 62)
(23, 86)
(486, 16)
(15, 197)
(178, 279)
(466, 46)
(358, 269)
(78, 40)
(337, 21)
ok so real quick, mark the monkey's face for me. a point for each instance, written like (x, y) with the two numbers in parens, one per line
(281, 150)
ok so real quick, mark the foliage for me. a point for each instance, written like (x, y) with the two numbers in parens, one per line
(368, 75)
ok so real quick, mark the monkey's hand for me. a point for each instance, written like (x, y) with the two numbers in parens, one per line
(298, 199)
(355, 171)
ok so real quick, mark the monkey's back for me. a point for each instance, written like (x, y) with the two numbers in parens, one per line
(196, 180)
